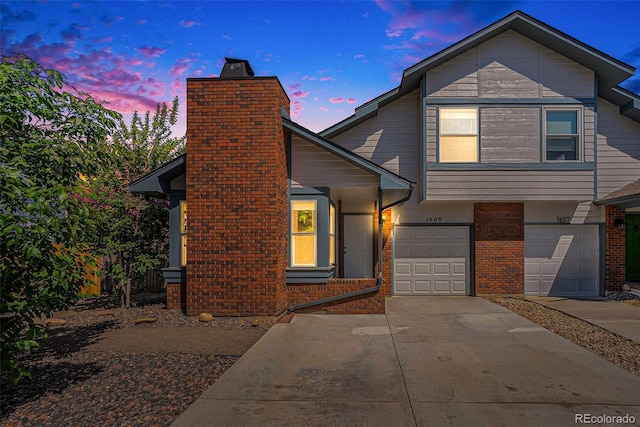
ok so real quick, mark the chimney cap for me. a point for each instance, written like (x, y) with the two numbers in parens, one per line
(234, 67)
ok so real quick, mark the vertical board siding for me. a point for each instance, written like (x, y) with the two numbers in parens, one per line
(589, 133)
(618, 149)
(508, 185)
(510, 135)
(313, 166)
(391, 139)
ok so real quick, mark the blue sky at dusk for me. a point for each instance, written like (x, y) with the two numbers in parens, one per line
(331, 56)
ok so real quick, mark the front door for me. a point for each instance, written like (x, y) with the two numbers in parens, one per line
(633, 248)
(358, 246)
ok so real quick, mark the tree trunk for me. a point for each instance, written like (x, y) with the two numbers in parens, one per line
(127, 293)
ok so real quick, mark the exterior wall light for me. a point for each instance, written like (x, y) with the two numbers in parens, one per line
(619, 222)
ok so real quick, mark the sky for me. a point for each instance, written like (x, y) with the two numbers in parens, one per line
(330, 56)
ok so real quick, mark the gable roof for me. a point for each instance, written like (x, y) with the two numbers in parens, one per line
(388, 179)
(626, 197)
(156, 182)
(610, 71)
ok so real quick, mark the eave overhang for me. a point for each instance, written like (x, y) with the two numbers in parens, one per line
(388, 179)
(157, 182)
(611, 72)
(626, 197)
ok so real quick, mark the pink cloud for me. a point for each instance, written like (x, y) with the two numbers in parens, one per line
(106, 39)
(325, 109)
(351, 100)
(177, 88)
(189, 23)
(106, 76)
(294, 86)
(324, 79)
(296, 108)
(150, 51)
(299, 94)
(336, 100)
(141, 21)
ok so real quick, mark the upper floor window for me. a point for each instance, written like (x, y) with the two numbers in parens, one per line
(562, 134)
(458, 135)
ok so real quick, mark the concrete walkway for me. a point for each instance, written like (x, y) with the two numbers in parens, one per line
(615, 316)
(428, 361)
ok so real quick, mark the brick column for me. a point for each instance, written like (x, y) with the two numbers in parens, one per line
(615, 247)
(499, 248)
(237, 196)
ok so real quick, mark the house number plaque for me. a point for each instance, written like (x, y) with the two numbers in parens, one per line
(434, 219)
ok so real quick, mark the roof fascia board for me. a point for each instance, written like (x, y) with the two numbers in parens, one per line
(388, 179)
(152, 182)
(362, 113)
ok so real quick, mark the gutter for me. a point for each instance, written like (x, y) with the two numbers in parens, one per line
(378, 285)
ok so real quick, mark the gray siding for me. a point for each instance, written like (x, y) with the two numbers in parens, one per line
(391, 139)
(510, 66)
(314, 167)
(492, 185)
(618, 149)
(510, 135)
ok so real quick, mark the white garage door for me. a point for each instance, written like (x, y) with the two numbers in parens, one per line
(561, 260)
(431, 260)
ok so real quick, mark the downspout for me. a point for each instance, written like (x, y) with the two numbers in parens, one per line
(378, 285)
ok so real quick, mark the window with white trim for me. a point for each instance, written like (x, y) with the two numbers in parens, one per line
(303, 233)
(332, 234)
(183, 233)
(458, 135)
(562, 130)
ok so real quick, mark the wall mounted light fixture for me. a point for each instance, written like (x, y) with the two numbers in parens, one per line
(619, 222)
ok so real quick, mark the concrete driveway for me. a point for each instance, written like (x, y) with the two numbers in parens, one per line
(428, 361)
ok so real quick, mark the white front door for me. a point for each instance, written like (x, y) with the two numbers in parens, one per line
(358, 246)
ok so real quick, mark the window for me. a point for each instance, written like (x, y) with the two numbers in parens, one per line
(562, 137)
(303, 233)
(458, 135)
(183, 233)
(332, 235)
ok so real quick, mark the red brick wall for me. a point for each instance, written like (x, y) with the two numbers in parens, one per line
(176, 296)
(370, 303)
(615, 273)
(237, 197)
(499, 248)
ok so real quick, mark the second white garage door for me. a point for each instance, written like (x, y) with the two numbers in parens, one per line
(561, 260)
(431, 260)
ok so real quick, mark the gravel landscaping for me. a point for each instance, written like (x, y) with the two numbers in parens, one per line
(76, 386)
(78, 380)
(608, 345)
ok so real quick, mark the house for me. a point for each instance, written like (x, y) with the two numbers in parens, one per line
(507, 163)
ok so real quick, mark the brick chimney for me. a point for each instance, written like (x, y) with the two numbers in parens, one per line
(236, 194)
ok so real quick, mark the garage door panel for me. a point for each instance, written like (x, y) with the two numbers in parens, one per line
(421, 268)
(562, 260)
(439, 259)
(442, 268)
(403, 286)
(423, 285)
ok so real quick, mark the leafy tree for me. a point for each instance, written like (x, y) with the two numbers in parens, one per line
(132, 230)
(49, 137)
